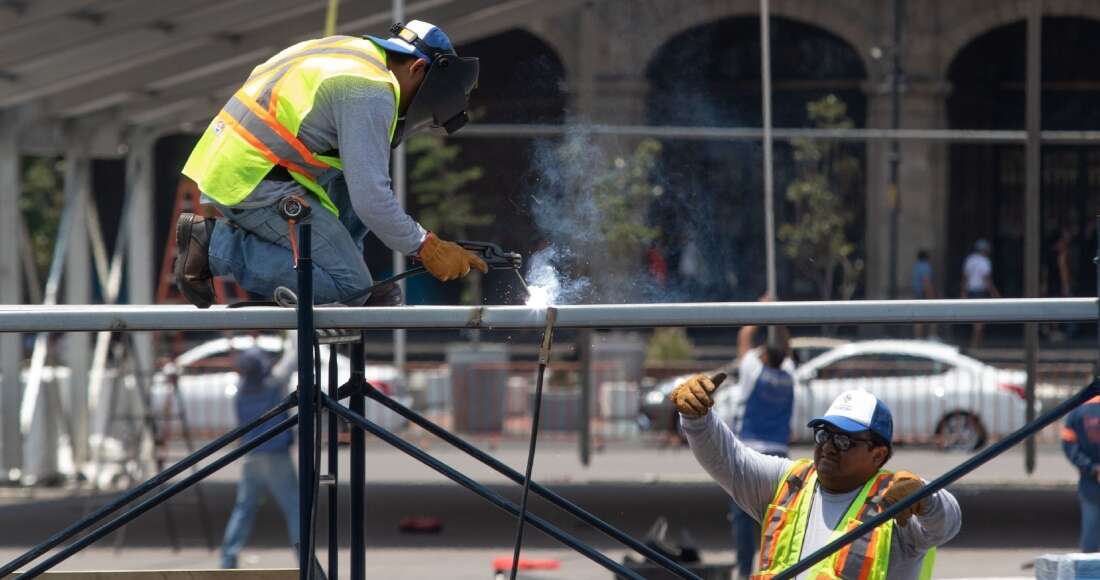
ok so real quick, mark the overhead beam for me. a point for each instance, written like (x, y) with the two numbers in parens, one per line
(128, 54)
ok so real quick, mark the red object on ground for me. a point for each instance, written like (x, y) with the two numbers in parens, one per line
(420, 524)
(505, 564)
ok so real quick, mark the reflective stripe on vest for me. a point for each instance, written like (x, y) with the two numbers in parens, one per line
(258, 127)
(784, 527)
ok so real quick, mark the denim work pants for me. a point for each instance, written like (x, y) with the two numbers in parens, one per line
(253, 246)
(1090, 520)
(275, 473)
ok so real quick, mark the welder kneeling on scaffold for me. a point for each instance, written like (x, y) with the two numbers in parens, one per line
(312, 128)
(803, 505)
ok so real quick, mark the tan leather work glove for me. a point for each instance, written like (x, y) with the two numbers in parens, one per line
(905, 484)
(448, 260)
(692, 397)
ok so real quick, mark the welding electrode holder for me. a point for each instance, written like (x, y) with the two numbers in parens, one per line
(293, 208)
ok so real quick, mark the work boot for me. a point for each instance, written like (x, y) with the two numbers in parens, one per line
(192, 270)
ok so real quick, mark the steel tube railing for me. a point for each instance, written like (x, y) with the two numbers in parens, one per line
(358, 405)
(333, 470)
(307, 392)
(159, 498)
(944, 480)
(360, 422)
(145, 487)
(152, 317)
(517, 477)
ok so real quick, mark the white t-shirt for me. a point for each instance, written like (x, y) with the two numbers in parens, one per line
(976, 268)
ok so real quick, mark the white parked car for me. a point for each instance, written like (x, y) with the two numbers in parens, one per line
(936, 393)
(208, 383)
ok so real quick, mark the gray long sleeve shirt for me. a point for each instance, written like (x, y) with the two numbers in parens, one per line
(751, 478)
(354, 115)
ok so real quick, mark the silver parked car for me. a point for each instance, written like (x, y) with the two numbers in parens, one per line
(936, 393)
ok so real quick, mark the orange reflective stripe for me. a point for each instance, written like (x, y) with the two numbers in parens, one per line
(842, 554)
(1069, 435)
(280, 130)
(869, 558)
(259, 145)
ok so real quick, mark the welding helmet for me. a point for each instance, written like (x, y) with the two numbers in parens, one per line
(442, 98)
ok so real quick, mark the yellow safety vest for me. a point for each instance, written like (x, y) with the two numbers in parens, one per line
(258, 128)
(784, 529)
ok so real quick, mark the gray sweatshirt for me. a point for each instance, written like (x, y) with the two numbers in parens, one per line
(354, 114)
(751, 479)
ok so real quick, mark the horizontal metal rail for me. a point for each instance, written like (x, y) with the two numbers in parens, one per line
(360, 422)
(19, 318)
(521, 131)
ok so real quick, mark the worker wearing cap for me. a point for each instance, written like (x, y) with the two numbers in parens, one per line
(803, 505)
(318, 120)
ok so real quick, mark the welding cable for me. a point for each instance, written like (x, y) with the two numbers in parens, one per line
(544, 361)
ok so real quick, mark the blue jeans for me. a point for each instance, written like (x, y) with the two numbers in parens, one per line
(275, 473)
(1090, 520)
(253, 247)
(746, 534)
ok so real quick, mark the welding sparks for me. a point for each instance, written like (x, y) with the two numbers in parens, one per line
(546, 286)
(538, 297)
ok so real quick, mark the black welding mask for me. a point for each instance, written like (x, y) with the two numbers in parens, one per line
(441, 101)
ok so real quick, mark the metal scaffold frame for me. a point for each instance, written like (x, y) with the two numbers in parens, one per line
(311, 403)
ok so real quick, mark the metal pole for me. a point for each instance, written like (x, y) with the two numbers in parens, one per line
(517, 477)
(360, 422)
(893, 193)
(944, 480)
(11, 292)
(333, 468)
(145, 487)
(544, 360)
(1032, 210)
(769, 177)
(159, 498)
(330, 29)
(400, 338)
(358, 404)
(306, 408)
(584, 349)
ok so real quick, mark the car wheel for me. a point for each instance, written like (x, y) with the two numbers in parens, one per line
(961, 431)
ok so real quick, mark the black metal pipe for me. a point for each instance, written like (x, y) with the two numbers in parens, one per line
(333, 470)
(307, 478)
(132, 513)
(944, 480)
(544, 361)
(146, 486)
(492, 497)
(494, 464)
(358, 404)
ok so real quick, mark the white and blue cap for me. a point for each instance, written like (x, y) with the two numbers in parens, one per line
(431, 35)
(856, 411)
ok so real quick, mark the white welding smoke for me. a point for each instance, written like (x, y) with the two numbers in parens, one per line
(547, 285)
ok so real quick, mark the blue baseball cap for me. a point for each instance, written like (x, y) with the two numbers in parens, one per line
(429, 34)
(856, 411)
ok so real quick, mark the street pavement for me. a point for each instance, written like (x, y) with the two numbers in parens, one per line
(1009, 517)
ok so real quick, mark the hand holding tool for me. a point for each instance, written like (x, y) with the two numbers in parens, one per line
(905, 484)
(448, 260)
(692, 397)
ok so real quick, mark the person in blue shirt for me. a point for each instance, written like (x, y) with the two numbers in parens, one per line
(268, 468)
(923, 289)
(1081, 444)
(762, 419)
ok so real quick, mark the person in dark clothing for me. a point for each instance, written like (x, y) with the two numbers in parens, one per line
(1081, 444)
(268, 467)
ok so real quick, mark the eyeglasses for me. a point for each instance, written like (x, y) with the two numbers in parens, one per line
(842, 441)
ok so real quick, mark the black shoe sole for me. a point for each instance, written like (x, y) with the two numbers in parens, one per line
(183, 249)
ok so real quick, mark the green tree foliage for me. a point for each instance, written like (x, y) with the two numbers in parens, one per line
(447, 206)
(622, 196)
(41, 203)
(442, 192)
(669, 345)
(827, 175)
